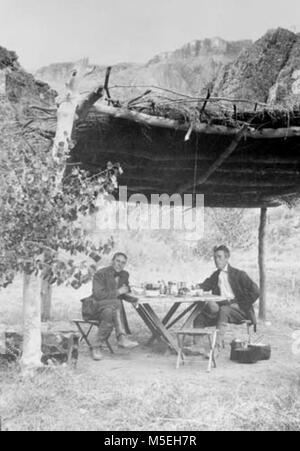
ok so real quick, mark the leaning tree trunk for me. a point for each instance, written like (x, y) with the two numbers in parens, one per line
(70, 109)
(32, 337)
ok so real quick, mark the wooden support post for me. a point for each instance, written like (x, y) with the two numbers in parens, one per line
(262, 264)
(205, 104)
(107, 76)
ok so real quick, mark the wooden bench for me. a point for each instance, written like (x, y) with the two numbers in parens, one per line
(250, 324)
(212, 340)
(84, 334)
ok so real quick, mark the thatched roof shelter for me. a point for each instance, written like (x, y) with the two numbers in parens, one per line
(237, 153)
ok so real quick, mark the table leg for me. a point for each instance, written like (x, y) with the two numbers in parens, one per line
(197, 310)
(171, 313)
(179, 317)
(161, 328)
(145, 317)
(165, 320)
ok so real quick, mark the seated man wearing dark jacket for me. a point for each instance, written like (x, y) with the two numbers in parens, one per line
(110, 287)
(237, 289)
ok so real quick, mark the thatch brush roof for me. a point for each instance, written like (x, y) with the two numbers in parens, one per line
(236, 157)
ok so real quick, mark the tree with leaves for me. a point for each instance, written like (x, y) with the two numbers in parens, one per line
(38, 228)
(39, 208)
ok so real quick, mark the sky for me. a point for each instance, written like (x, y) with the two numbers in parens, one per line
(111, 31)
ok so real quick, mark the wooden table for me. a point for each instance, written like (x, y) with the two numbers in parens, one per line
(160, 328)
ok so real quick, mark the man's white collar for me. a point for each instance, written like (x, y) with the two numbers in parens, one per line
(226, 268)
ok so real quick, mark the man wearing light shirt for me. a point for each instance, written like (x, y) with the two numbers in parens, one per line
(236, 288)
(224, 285)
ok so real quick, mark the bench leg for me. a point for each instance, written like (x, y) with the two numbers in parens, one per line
(212, 344)
(249, 333)
(85, 336)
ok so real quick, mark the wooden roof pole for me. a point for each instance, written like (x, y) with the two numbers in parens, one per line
(262, 263)
(222, 158)
(161, 122)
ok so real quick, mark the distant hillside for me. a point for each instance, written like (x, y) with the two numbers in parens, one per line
(189, 69)
(267, 70)
(206, 47)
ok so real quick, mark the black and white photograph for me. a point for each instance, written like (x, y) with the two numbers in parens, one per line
(149, 218)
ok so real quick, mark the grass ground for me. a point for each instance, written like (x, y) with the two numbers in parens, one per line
(142, 390)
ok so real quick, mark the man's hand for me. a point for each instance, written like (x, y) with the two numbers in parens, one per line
(123, 290)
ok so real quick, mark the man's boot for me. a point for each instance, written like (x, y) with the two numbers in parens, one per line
(125, 343)
(118, 323)
(104, 331)
(97, 354)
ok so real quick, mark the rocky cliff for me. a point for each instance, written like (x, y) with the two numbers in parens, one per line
(265, 71)
(189, 69)
(268, 71)
(18, 92)
(20, 87)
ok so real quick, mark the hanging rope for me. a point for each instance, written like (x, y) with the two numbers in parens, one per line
(196, 164)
